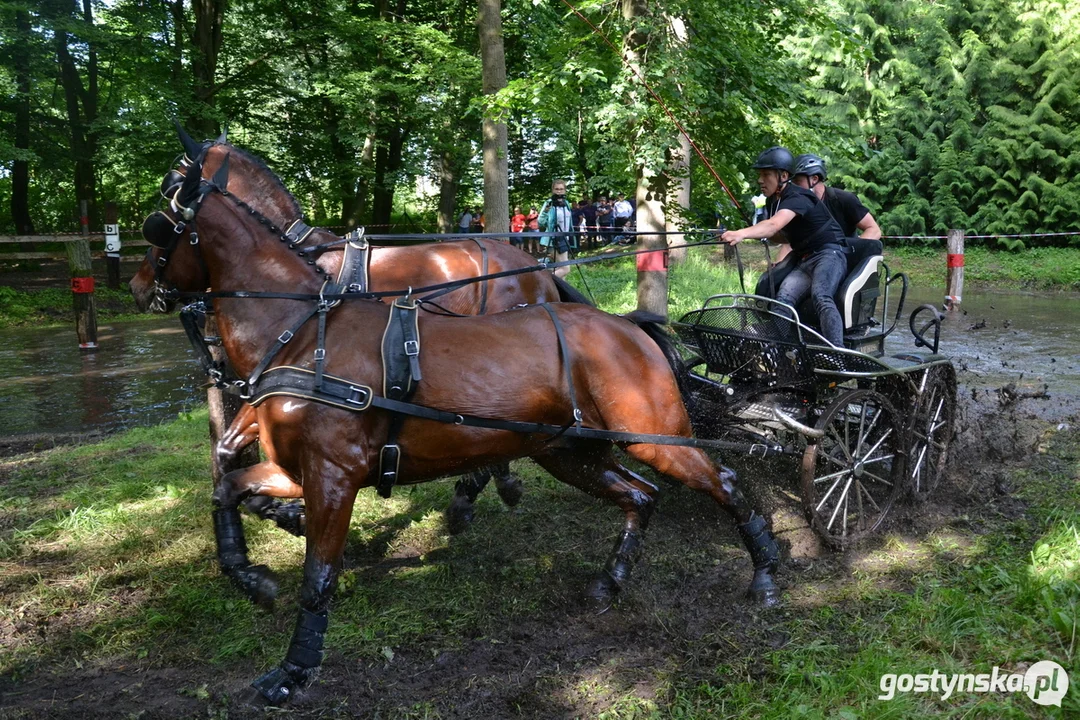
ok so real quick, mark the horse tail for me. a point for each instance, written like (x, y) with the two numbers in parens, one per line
(569, 293)
(655, 327)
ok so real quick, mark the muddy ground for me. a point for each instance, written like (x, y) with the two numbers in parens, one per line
(667, 622)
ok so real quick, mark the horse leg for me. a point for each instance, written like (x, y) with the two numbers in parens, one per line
(459, 514)
(598, 473)
(256, 581)
(508, 486)
(693, 468)
(330, 511)
(241, 433)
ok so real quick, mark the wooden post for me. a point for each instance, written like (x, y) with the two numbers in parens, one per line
(652, 277)
(82, 284)
(112, 247)
(954, 282)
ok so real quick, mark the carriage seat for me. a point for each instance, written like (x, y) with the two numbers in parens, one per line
(856, 296)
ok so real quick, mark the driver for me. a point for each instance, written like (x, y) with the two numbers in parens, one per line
(815, 238)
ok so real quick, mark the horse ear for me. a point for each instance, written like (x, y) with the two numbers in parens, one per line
(191, 184)
(221, 177)
(223, 137)
(191, 148)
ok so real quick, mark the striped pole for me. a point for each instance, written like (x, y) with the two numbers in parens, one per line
(954, 261)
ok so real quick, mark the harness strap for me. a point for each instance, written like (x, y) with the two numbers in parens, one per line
(298, 232)
(564, 351)
(281, 341)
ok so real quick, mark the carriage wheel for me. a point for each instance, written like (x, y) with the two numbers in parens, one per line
(931, 429)
(853, 474)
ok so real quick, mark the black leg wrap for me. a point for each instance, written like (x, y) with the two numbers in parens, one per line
(229, 533)
(605, 586)
(765, 554)
(623, 555)
(291, 518)
(305, 651)
(303, 658)
(472, 484)
(288, 516)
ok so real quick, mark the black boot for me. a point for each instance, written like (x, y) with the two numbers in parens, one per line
(765, 555)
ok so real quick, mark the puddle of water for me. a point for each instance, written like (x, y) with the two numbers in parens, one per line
(145, 372)
(996, 337)
(142, 373)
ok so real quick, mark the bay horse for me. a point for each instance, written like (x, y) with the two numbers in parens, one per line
(390, 268)
(541, 364)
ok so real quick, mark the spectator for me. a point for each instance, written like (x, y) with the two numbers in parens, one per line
(588, 214)
(578, 216)
(556, 216)
(622, 212)
(532, 222)
(604, 219)
(465, 221)
(478, 223)
(517, 225)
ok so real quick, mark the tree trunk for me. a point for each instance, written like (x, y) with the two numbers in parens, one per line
(387, 163)
(496, 200)
(176, 9)
(209, 18)
(678, 209)
(20, 173)
(650, 195)
(448, 187)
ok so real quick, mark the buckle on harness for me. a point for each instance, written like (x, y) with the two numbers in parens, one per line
(762, 447)
(357, 395)
(285, 337)
(320, 354)
(412, 347)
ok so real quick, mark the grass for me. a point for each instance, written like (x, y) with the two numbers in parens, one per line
(49, 307)
(1043, 268)
(704, 273)
(106, 558)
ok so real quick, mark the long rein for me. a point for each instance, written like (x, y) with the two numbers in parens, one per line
(358, 398)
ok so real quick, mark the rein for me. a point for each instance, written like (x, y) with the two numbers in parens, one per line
(447, 286)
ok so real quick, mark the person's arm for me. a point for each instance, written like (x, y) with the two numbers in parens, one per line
(764, 229)
(868, 228)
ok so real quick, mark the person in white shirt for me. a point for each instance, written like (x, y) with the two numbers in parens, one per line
(623, 210)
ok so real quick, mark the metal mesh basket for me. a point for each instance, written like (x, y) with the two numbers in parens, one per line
(747, 340)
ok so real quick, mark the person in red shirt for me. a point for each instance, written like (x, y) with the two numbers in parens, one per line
(517, 224)
(532, 222)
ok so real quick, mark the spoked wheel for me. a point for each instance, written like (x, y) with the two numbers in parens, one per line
(854, 473)
(931, 429)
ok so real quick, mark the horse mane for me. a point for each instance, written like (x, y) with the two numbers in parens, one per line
(267, 176)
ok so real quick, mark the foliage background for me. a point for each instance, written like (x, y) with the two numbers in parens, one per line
(958, 113)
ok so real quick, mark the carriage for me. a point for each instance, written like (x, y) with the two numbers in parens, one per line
(870, 426)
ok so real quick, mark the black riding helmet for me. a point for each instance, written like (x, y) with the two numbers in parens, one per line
(775, 158)
(810, 165)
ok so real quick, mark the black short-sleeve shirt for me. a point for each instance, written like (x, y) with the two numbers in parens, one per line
(846, 208)
(813, 227)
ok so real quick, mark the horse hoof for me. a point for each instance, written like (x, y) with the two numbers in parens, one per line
(459, 515)
(259, 583)
(510, 490)
(291, 518)
(763, 591)
(274, 688)
(601, 593)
